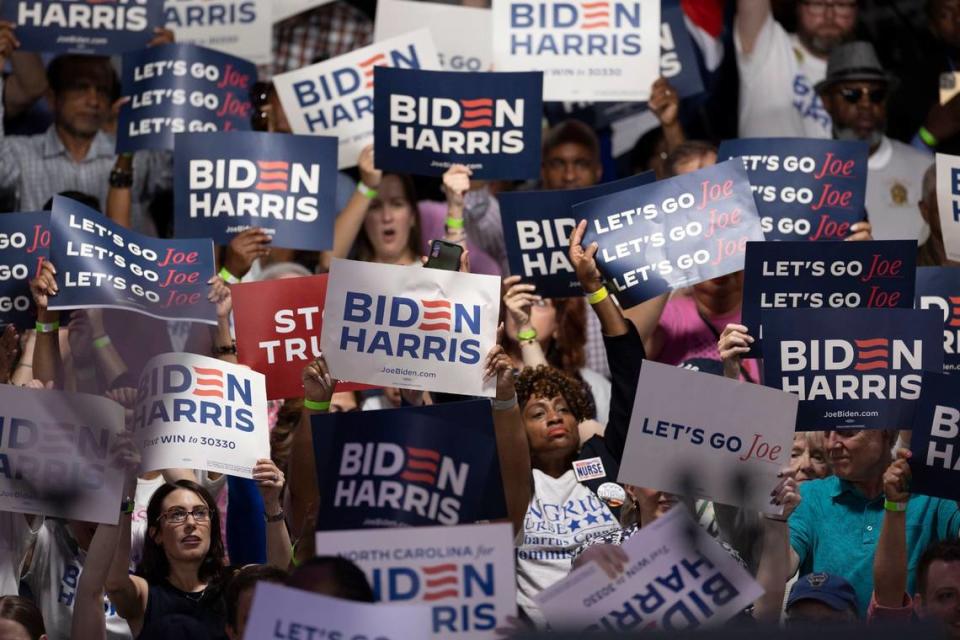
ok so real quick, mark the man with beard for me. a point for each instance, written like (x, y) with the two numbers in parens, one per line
(778, 70)
(855, 93)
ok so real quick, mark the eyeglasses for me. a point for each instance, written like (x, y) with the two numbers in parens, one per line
(844, 8)
(853, 95)
(179, 516)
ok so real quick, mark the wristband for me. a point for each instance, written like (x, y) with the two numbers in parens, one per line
(503, 405)
(366, 191)
(928, 138)
(225, 350)
(127, 506)
(598, 296)
(527, 334)
(48, 327)
(101, 342)
(277, 517)
(890, 505)
(454, 223)
(316, 406)
(227, 276)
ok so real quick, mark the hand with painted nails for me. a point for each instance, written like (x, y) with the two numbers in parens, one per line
(787, 493)
(219, 295)
(318, 384)
(44, 285)
(269, 481)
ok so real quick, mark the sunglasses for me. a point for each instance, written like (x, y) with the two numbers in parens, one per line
(853, 96)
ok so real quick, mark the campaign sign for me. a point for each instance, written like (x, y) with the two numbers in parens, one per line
(672, 233)
(335, 97)
(55, 454)
(277, 325)
(799, 275)
(600, 51)
(470, 585)
(678, 64)
(708, 441)
(241, 28)
(805, 189)
(415, 466)
(197, 412)
(225, 183)
(935, 442)
(462, 34)
(101, 264)
(179, 88)
(411, 328)
(425, 121)
(939, 288)
(948, 202)
(851, 368)
(83, 26)
(678, 578)
(284, 612)
(24, 245)
(536, 231)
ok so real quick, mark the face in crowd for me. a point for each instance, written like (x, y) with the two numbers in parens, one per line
(858, 109)
(183, 529)
(938, 588)
(859, 455)
(81, 101)
(944, 20)
(823, 24)
(570, 166)
(808, 457)
(389, 222)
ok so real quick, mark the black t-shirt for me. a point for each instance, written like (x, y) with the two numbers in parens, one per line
(172, 613)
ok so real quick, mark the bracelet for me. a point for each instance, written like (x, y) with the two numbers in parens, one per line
(503, 405)
(277, 517)
(230, 349)
(227, 276)
(527, 334)
(454, 223)
(775, 517)
(366, 191)
(121, 178)
(48, 327)
(598, 296)
(890, 505)
(101, 342)
(928, 138)
(316, 406)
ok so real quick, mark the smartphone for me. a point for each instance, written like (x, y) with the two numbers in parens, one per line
(444, 255)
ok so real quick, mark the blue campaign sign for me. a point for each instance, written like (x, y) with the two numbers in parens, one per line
(851, 368)
(833, 275)
(425, 121)
(225, 183)
(101, 264)
(415, 466)
(672, 233)
(678, 64)
(536, 230)
(179, 88)
(805, 189)
(939, 288)
(935, 443)
(24, 244)
(83, 26)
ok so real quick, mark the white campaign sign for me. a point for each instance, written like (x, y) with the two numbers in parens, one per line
(462, 34)
(410, 327)
(335, 97)
(242, 28)
(677, 578)
(55, 454)
(592, 50)
(200, 413)
(714, 438)
(294, 614)
(283, 9)
(465, 573)
(948, 202)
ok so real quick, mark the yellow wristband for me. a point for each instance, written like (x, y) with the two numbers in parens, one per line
(527, 334)
(454, 223)
(598, 296)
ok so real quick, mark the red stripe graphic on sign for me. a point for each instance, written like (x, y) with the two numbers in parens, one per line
(872, 354)
(215, 380)
(441, 582)
(442, 313)
(423, 453)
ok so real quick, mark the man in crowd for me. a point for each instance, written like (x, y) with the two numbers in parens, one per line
(855, 94)
(821, 598)
(778, 70)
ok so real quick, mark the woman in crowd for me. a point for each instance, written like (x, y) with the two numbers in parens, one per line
(20, 619)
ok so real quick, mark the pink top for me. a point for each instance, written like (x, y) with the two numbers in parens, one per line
(686, 335)
(876, 613)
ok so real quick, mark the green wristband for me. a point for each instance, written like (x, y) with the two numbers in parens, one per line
(316, 406)
(47, 327)
(527, 334)
(889, 505)
(228, 277)
(454, 223)
(928, 138)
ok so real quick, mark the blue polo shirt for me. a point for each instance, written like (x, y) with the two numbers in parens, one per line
(836, 528)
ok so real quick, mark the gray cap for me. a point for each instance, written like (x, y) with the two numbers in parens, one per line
(853, 61)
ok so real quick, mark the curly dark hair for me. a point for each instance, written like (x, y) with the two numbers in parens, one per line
(154, 566)
(549, 382)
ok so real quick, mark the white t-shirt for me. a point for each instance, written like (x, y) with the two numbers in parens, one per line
(776, 87)
(15, 539)
(53, 578)
(894, 186)
(562, 515)
(138, 520)
(600, 388)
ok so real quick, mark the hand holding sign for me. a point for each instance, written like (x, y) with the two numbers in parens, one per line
(734, 342)
(44, 286)
(584, 261)
(8, 41)
(456, 183)
(896, 479)
(318, 384)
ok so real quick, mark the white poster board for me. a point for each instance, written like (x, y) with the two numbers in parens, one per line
(462, 34)
(242, 28)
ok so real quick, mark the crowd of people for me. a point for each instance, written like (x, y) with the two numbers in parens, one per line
(853, 545)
